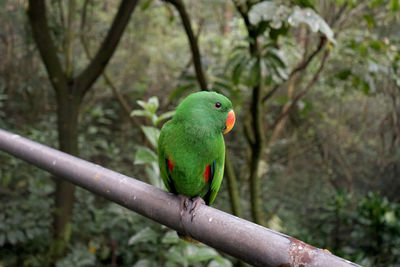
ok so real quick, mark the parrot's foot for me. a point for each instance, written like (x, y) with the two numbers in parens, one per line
(195, 204)
(184, 203)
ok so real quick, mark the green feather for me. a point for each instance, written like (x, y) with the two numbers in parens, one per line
(191, 141)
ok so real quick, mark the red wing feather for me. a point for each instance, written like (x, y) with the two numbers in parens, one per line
(207, 173)
(170, 164)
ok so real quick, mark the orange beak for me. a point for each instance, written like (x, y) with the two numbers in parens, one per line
(230, 121)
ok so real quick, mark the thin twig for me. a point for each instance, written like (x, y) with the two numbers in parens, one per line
(193, 42)
(123, 103)
(270, 93)
(302, 65)
(304, 91)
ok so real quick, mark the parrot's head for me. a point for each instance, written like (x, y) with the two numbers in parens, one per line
(207, 110)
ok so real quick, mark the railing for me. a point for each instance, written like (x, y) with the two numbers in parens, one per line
(242, 239)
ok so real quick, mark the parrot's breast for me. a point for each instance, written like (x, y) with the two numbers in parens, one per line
(190, 160)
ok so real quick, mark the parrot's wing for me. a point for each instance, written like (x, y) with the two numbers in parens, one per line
(217, 172)
(165, 163)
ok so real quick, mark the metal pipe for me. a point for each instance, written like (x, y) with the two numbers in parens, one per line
(252, 243)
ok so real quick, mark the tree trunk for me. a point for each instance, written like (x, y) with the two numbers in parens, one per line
(257, 146)
(67, 115)
(256, 154)
(255, 131)
(70, 92)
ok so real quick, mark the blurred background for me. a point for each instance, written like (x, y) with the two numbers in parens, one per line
(314, 153)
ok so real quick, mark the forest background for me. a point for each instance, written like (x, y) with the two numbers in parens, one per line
(314, 153)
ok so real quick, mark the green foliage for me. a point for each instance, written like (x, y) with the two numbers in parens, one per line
(79, 256)
(177, 252)
(25, 208)
(378, 230)
(149, 110)
(146, 156)
(244, 70)
(313, 20)
(279, 16)
(372, 227)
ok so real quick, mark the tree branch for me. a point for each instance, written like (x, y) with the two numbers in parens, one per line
(61, 10)
(68, 39)
(247, 130)
(279, 126)
(302, 65)
(304, 91)
(270, 93)
(41, 33)
(88, 76)
(123, 103)
(193, 41)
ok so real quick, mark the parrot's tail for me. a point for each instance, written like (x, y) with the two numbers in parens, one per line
(189, 239)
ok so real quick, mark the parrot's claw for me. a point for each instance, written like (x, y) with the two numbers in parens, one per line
(184, 203)
(195, 204)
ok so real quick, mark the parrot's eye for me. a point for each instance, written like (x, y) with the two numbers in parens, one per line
(218, 105)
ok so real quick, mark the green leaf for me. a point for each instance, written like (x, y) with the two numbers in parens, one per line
(313, 20)
(144, 155)
(394, 5)
(268, 11)
(171, 237)
(282, 73)
(238, 70)
(146, 235)
(194, 253)
(390, 217)
(151, 134)
(174, 254)
(151, 105)
(253, 76)
(282, 99)
(174, 264)
(220, 262)
(153, 174)
(343, 74)
(221, 82)
(165, 116)
(145, 5)
(180, 90)
(275, 55)
(235, 60)
(241, 48)
(376, 3)
(304, 3)
(275, 223)
(145, 263)
(262, 11)
(370, 20)
(11, 237)
(20, 236)
(141, 112)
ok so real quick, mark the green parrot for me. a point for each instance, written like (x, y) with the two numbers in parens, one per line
(191, 148)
